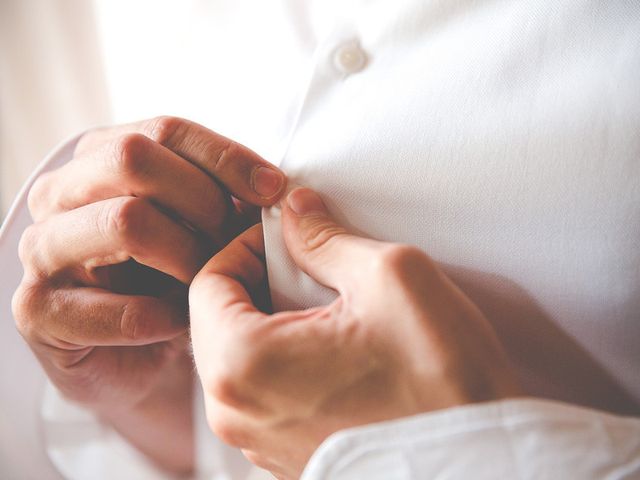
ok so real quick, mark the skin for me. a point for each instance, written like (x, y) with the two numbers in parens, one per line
(116, 240)
(400, 339)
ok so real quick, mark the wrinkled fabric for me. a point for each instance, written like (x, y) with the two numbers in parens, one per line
(519, 439)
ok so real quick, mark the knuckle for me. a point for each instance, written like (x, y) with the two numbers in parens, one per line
(24, 306)
(227, 431)
(227, 386)
(223, 387)
(134, 323)
(165, 129)
(126, 219)
(399, 260)
(226, 154)
(40, 194)
(129, 156)
(319, 235)
(28, 244)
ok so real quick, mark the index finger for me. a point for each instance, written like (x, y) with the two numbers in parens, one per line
(240, 170)
(219, 299)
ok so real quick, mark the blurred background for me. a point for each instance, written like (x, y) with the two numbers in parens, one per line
(68, 65)
(52, 82)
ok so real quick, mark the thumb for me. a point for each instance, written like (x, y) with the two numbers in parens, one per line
(320, 246)
(220, 305)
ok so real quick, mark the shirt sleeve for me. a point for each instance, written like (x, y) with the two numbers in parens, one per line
(22, 452)
(516, 439)
(80, 446)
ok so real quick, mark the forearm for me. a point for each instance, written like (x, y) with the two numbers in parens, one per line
(161, 426)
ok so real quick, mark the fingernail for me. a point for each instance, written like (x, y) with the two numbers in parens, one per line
(304, 201)
(266, 181)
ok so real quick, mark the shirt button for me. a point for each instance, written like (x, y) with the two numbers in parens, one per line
(349, 58)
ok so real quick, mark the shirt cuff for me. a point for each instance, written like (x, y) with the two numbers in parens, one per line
(80, 446)
(518, 438)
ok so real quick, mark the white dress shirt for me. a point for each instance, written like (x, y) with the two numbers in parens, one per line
(501, 137)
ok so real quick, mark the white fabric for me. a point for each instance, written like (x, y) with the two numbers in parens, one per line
(515, 439)
(501, 137)
(22, 448)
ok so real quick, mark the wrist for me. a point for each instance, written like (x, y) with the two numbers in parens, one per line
(160, 425)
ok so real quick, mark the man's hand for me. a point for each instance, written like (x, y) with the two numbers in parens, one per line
(400, 339)
(119, 233)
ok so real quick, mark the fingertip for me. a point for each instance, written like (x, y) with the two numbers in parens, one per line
(268, 182)
(303, 202)
(301, 207)
(321, 246)
(304, 216)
